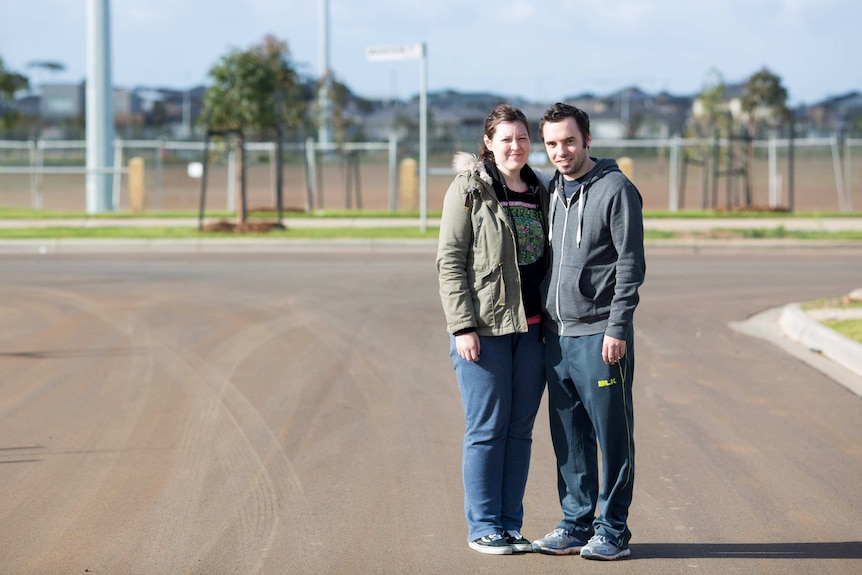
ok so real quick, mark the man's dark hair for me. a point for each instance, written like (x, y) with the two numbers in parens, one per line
(559, 112)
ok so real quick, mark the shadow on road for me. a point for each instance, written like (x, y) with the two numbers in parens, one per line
(73, 353)
(827, 550)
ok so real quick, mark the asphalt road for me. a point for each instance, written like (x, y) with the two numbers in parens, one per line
(297, 413)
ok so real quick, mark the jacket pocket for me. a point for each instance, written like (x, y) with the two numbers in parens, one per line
(485, 293)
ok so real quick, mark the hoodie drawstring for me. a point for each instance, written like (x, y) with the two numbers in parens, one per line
(581, 201)
(582, 193)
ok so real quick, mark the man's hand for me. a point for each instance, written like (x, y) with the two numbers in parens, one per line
(613, 349)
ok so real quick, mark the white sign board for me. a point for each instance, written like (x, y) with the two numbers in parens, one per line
(394, 52)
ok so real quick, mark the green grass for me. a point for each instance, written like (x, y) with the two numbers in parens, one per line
(170, 231)
(193, 233)
(780, 232)
(850, 328)
(716, 214)
(843, 302)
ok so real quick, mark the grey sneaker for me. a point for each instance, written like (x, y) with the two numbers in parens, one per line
(493, 544)
(598, 547)
(558, 542)
(517, 542)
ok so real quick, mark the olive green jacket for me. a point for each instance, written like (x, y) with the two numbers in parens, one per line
(476, 258)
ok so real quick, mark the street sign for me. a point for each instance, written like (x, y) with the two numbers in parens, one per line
(394, 52)
(413, 52)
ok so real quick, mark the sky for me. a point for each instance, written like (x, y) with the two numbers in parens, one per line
(538, 50)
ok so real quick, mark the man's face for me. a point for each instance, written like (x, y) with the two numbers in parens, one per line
(566, 148)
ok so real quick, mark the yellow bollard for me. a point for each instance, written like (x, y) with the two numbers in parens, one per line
(136, 185)
(627, 166)
(408, 185)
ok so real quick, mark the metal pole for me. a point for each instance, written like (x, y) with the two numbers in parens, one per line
(791, 168)
(839, 182)
(35, 195)
(231, 179)
(309, 175)
(324, 135)
(99, 114)
(160, 153)
(393, 172)
(204, 174)
(423, 142)
(773, 173)
(118, 162)
(848, 175)
(673, 196)
(716, 162)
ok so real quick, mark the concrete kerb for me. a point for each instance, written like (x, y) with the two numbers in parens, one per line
(803, 328)
(801, 335)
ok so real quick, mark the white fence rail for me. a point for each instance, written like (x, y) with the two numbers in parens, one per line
(671, 161)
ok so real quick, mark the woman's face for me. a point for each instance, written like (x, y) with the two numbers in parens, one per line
(510, 146)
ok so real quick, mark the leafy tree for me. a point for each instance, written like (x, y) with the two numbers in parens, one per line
(764, 99)
(342, 99)
(253, 92)
(252, 88)
(10, 84)
(713, 118)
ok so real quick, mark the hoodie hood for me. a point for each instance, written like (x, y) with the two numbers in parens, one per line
(602, 167)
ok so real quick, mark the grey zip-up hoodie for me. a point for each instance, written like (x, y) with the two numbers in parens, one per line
(597, 254)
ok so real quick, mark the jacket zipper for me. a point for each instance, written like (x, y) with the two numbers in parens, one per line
(478, 229)
(557, 287)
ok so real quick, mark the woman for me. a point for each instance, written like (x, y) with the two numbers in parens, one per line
(491, 258)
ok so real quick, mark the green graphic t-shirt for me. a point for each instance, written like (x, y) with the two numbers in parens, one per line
(525, 215)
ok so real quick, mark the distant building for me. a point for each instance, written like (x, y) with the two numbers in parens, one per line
(456, 120)
(632, 113)
(62, 101)
(838, 114)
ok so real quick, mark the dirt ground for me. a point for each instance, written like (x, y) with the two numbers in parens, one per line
(173, 190)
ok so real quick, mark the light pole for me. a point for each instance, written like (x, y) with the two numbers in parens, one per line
(324, 102)
(99, 109)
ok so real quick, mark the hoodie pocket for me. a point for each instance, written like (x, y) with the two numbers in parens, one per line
(585, 293)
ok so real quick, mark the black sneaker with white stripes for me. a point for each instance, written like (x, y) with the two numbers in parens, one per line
(493, 544)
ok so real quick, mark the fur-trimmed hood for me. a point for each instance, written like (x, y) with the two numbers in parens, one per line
(466, 162)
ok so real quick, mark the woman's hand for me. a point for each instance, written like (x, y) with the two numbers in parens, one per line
(467, 346)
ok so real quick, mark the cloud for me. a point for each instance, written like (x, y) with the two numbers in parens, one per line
(520, 11)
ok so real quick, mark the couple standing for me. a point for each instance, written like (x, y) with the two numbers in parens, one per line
(539, 282)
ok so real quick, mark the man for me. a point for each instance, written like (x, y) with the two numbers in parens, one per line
(590, 295)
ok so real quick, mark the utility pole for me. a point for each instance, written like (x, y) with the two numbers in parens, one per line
(324, 97)
(99, 109)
